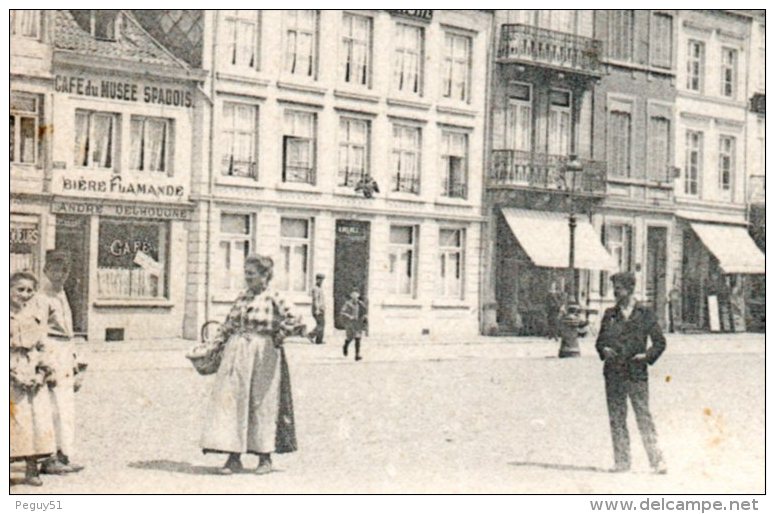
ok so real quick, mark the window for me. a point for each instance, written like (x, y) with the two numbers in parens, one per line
(25, 23)
(406, 158)
(658, 148)
(23, 129)
(619, 242)
(728, 72)
(620, 34)
(454, 164)
(353, 151)
(726, 162)
(693, 165)
(451, 264)
(151, 144)
(695, 65)
(519, 119)
(95, 139)
(294, 254)
(407, 65)
(299, 147)
(456, 67)
(559, 122)
(403, 257)
(131, 260)
(356, 49)
(234, 247)
(301, 42)
(105, 24)
(242, 38)
(240, 135)
(661, 40)
(619, 143)
(25, 241)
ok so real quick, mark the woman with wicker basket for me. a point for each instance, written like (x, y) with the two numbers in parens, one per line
(250, 409)
(32, 422)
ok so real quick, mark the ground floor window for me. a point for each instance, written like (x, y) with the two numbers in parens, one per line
(451, 263)
(25, 240)
(233, 248)
(295, 239)
(403, 259)
(132, 260)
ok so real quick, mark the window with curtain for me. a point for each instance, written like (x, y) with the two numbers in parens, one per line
(233, 247)
(451, 262)
(25, 23)
(619, 137)
(454, 164)
(405, 158)
(299, 146)
(519, 119)
(695, 65)
(456, 71)
(356, 49)
(353, 150)
(295, 244)
(239, 132)
(403, 260)
(620, 34)
(23, 129)
(242, 37)
(726, 162)
(301, 42)
(728, 72)
(658, 148)
(661, 40)
(408, 57)
(150, 144)
(693, 162)
(95, 139)
(559, 122)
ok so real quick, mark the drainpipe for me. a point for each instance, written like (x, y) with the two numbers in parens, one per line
(211, 164)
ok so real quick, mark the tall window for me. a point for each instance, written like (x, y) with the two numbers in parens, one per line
(151, 140)
(95, 139)
(353, 150)
(454, 164)
(726, 162)
(559, 122)
(23, 128)
(693, 164)
(356, 49)
(695, 65)
(619, 241)
(661, 40)
(234, 246)
(240, 134)
(728, 72)
(299, 147)
(658, 148)
(301, 42)
(294, 254)
(619, 137)
(403, 259)
(405, 158)
(519, 119)
(407, 63)
(456, 70)
(451, 263)
(25, 23)
(242, 38)
(620, 34)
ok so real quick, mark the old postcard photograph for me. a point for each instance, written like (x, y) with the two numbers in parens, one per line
(387, 251)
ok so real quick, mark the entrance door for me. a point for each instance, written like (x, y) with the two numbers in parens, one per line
(351, 263)
(72, 235)
(656, 271)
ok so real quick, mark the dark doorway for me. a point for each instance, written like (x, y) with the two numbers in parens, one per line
(656, 271)
(351, 263)
(72, 235)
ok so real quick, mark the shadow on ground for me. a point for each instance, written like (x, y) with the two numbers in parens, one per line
(560, 467)
(175, 467)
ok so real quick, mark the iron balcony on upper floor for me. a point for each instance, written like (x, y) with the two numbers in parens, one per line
(517, 168)
(526, 44)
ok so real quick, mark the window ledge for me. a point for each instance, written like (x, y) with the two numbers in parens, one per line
(409, 303)
(134, 304)
(450, 303)
(641, 182)
(304, 87)
(225, 180)
(641, 67)
(413, 103)
(404, 197)
(244, 75)
(463, 110)
(297, 187)
(458, 202)
(363, 95)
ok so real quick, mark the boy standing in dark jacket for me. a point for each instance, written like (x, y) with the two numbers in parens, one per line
(622, 344)
(354, 314)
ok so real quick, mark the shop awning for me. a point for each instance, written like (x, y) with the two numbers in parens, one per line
(732, 246)
(545, 236)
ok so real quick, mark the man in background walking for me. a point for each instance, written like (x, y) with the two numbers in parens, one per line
(318, 310)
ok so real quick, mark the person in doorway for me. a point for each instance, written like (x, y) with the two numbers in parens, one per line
(355, 322)
(60, 352)
(622, 344)
(555, 301)
(318, 310)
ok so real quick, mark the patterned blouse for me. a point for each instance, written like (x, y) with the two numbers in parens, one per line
(264, 313)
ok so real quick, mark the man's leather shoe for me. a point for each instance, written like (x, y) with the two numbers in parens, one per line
(74, 468)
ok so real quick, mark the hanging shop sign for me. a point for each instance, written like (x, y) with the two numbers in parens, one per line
(124, 90)
(416, 14)
(159, 212)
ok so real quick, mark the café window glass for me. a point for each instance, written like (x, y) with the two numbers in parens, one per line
(132, 260)
(25, 240)
(151, 142)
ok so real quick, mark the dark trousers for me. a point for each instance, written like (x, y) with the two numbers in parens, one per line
(320, 327)
(357, 340)
(617, 390)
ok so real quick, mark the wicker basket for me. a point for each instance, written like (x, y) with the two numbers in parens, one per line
(206, 356)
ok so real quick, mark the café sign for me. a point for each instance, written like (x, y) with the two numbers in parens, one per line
(125, 91)
(157, 212)
(101, 185)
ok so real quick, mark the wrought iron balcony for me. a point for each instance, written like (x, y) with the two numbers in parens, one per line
(542, 171)
(756, 193)
(406, 183)
(533, 45)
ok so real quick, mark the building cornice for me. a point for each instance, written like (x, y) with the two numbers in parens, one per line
(98, 63)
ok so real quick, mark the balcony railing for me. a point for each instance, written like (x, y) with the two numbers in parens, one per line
(406, 183)
(756, 193)
(519, 168)
(531, 44)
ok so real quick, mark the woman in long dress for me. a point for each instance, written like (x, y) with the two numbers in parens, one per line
(250, 408)
(32, 423)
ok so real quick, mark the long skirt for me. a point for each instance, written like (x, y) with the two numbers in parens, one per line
(31, 423)
(250, 408)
